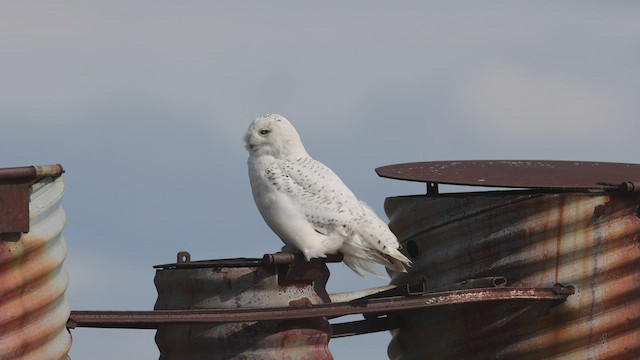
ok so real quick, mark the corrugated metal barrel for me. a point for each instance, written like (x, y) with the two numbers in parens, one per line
(33, 309)
(588, 240)
(234, 284)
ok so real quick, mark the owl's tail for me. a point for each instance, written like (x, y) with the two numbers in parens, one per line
(374, 243)
(361, 259)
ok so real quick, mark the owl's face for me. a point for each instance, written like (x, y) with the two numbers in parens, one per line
(272, 135)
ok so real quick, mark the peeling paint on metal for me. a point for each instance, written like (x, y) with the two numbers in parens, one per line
(240, 287)
(33, 310)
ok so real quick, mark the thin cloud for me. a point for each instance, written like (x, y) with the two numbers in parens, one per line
(530, 105)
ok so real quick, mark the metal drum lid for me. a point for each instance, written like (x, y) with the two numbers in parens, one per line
(537, 174)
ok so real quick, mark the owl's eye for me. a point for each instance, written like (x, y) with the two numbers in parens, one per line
(264, 132)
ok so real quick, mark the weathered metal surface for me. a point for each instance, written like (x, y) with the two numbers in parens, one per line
(33, 310)
(241, 287)
(537, 174)
(14, 194)
(588, 240)
(14, 208)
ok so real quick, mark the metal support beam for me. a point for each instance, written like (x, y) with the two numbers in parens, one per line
(386, 305)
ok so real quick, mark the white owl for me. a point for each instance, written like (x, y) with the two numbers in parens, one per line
(308, 206)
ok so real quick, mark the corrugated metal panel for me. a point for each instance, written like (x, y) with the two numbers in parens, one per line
(229, 285)
(590, 241)
(33, 310)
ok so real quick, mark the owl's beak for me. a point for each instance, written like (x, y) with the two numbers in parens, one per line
(251, 146)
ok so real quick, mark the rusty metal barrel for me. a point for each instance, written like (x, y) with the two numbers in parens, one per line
(278, 280)
(571, 223)
(33, 309)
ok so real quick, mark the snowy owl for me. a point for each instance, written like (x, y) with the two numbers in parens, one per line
(308, 206)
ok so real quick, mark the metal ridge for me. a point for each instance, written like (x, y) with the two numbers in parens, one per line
(33, 280)
(152, 319)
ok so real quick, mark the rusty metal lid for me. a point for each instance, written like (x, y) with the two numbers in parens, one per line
(537, 174)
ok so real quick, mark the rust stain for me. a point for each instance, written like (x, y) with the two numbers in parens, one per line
(33, 310)
(304, 302)
(588, 240)
(14, 208)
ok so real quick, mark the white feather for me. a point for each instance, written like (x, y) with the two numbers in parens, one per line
(308, 206)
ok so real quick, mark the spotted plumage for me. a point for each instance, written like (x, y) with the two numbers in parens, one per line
(308, 206)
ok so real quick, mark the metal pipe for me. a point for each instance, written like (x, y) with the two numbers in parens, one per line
(30, 173)
(151, 319)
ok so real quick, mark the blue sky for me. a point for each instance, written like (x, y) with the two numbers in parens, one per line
(145, 103)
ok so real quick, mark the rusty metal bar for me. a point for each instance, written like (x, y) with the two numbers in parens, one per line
(18, 174)
(151, 319)
(30, 173)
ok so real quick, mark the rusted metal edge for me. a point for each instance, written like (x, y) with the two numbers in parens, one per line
(521, 174)
(235, 262)
(417, 288)
(14, 194)
(152, 319)
(281, 258)
(30, 173)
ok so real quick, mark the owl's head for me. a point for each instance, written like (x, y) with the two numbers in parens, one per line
(273, 135)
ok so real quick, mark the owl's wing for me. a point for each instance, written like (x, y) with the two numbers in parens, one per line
(369, 238)
(317, 191)
(319, 180)
(331, 207)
